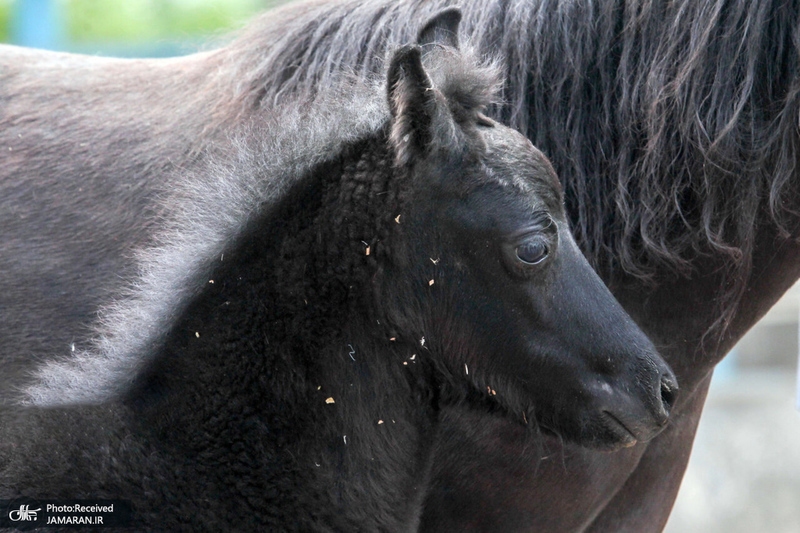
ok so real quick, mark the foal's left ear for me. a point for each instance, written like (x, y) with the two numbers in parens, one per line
(412, 103)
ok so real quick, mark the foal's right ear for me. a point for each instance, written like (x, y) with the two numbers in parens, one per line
(412, 104)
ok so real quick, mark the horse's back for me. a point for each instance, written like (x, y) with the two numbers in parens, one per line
(86, 144)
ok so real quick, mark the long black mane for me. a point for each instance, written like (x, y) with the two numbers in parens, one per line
(672, 124)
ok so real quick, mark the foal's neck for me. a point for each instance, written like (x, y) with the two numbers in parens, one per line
(283, 354)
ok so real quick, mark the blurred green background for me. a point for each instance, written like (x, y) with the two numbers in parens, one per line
(127, 28)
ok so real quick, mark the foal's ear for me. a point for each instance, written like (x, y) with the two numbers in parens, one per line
(442, 28)
(412, 103)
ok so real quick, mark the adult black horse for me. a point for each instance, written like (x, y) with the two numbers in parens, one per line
(672, 124)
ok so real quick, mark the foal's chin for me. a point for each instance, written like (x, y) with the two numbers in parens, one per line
(597, 430)
(600, 431)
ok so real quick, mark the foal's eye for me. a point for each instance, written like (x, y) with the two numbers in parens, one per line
(532, 252)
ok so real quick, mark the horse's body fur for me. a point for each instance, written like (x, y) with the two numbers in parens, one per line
(672, 126)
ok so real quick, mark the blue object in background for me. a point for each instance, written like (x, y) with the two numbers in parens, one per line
(37, 24)
(45, 24)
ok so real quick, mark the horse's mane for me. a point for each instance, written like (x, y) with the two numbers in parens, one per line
(212, 206)
(672, 123)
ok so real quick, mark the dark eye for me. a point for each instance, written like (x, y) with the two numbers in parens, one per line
(532, 252)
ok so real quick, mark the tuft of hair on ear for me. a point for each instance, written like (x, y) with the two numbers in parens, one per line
(442, 29)
(469, 86)
(412, 104)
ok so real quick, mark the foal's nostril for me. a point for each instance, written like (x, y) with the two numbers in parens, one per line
(669, 389)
